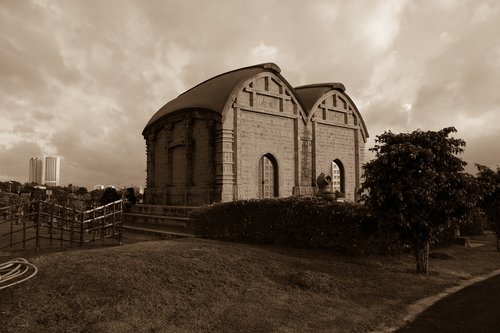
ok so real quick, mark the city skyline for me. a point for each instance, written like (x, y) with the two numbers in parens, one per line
(52, 170)
(45, 171)
(81, 79)
(36, 170)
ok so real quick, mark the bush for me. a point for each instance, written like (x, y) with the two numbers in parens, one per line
(295, 221)
(472, 228)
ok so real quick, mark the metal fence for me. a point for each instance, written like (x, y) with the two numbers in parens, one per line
(41, 224)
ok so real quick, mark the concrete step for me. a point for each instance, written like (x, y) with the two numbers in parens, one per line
(162, 231)
(152, 219)
(179, 211)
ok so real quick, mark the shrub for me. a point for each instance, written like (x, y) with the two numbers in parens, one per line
(472, 228)
(295, 221)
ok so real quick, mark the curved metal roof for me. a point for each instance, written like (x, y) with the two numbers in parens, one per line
(213, 93)
(311, 94)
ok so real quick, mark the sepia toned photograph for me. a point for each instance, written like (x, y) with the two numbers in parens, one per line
(249, 166)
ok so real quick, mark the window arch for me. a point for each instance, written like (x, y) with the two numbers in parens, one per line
(338, 176)
(268, 177)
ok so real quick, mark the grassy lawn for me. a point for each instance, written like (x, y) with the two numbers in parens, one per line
(195, 285)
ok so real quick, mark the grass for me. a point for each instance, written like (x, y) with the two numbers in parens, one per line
(195, 285)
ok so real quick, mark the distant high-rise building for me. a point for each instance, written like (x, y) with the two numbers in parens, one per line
(52, 170)
(36, 170)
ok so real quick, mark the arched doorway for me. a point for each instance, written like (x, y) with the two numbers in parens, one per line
(338, 176)
(268, 177)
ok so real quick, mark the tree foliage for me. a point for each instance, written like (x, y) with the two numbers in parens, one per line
(490, 183)
(109, 195)
(417, 188)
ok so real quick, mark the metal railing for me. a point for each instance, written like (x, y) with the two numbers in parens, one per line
(41, 224)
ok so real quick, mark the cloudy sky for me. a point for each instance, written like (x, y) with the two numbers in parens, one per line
(80, 79)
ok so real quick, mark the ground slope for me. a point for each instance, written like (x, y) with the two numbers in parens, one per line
(195, 285)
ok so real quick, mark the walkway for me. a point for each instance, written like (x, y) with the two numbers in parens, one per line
(472, 309)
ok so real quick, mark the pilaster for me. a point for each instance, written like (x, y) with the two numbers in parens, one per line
(224, 163)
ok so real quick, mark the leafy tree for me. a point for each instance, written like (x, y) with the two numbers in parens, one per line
(81, 191)
(417, 188)
(95, 196)
(490, 183)
(109, 195)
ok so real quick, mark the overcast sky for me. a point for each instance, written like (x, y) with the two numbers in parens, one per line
(80, 79)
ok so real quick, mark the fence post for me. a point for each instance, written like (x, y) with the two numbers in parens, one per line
(81, 228)
(63, 220)
(120, 223)
(51, 224)
(38, 219)
(103, 233)
(93, 224)
(71, 227)
(11, 225)
(24, 230)
(114, 220)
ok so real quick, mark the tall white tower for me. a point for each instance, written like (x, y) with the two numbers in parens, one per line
(52, 170)
(36, 170)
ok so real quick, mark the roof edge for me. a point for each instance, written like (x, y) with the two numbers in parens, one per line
(267, 65)
(332, 85)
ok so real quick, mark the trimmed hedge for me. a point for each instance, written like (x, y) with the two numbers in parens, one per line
(294, 221)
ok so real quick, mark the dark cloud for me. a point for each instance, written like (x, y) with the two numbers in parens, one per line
(82, 78)
(30, 55)
(482, 150)
(14, 161)
(104, 157)
(42, 116)
(23, 129)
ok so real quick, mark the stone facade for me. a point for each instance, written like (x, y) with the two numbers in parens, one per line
(248, 134)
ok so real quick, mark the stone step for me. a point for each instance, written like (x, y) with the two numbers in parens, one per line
(178, 211)
(163, 232)
(163, 220)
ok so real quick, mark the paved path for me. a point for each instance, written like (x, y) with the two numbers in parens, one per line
(472, 309)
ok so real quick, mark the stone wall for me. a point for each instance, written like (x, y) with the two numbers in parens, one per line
(265, 120)
(337, 138)
(181, 160)
(336, 143)
(198, 156)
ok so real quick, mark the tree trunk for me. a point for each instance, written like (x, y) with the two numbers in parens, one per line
(422, 258)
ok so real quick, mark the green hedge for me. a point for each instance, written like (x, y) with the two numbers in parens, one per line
(294, 221)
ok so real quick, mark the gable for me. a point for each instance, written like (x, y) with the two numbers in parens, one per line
(266, 93)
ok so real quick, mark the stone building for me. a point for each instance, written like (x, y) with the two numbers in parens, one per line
(247, 134)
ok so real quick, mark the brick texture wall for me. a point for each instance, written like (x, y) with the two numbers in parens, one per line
(266, 116)
(199, 156)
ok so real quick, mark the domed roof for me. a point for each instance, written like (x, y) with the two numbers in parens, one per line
(213, 93)
(312, 93)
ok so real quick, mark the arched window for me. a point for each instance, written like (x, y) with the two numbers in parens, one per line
(338, 176)
(268, 177)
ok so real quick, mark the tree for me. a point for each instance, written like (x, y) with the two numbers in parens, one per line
(80, 191)
(490, 202)
(109, 195)
(416, 187)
